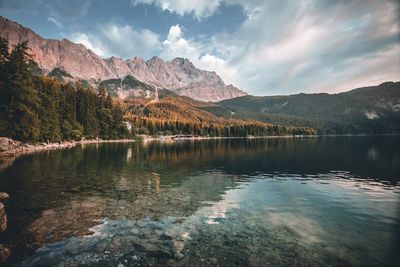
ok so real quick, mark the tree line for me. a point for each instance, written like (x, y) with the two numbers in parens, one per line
(229, 128)
(38, 108)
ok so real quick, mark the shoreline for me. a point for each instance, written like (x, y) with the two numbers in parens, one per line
(10, 148)
(169, 138)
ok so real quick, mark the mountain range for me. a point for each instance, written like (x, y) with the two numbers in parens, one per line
(133, 77)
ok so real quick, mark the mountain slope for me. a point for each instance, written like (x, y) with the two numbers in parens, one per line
(141, 71)
(374, 109)
(182, 77)
(75, 60)
(131, 87)
(174, 114)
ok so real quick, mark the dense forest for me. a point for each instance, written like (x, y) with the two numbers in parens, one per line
(38, 108)
(368, 110)
(174, 114)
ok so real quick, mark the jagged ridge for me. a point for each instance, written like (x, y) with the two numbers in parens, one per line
(70, 59)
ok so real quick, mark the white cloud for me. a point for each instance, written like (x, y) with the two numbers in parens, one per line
(175, 32)
(254, 14)
(116, 40)
(128, 42)
(56, 22)
(70, 9)
(359, 72)
(311, 46)
(199, 8)
(291, 47)
(228, 73)
(82, 38)
(177, 46)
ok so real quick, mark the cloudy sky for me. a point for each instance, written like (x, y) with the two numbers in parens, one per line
(265, 47)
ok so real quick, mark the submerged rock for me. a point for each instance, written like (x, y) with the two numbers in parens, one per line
(179, 256)
(213, 261)
(5, 253)
(4, 196)
(129, 242)
(171, 263)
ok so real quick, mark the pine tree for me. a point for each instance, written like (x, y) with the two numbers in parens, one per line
(21, 112)
(104, 115)
(49, 112)
(87, 107)
(4, 93)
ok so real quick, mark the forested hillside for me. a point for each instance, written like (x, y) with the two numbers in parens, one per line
(370, 110)
(174, 114)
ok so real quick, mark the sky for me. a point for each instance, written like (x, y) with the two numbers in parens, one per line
(264, 47)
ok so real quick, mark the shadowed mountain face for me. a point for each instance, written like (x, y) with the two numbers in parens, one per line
(374, 109)
(178, 75)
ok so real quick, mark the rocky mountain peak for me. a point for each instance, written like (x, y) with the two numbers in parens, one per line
(66, 40)
(155, 58)
(154, 61)
(63, 56)
(138, 60)
(118, 66)
(182, 61)
(165, 73)
(141, 71)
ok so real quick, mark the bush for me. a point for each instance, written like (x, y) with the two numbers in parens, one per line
(76, 135)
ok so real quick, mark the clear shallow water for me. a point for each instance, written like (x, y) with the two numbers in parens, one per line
(269, 202)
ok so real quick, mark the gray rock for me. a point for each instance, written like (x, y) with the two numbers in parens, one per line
(214, 261)
(5, 252)
(179, 256)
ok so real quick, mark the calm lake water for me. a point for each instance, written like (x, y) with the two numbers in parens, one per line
(261, 202)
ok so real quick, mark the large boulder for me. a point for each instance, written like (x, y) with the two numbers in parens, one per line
(7, 144)
(4, 196)
(5, 252)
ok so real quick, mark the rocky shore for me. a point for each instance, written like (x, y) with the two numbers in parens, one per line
(5, 252)
(10, 148)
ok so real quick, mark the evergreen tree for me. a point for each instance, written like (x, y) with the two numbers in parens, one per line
(104, 115)
(21, 112)
(49, 114)
(4, 93)
(87, 107)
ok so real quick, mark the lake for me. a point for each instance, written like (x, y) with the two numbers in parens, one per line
(330, 201)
